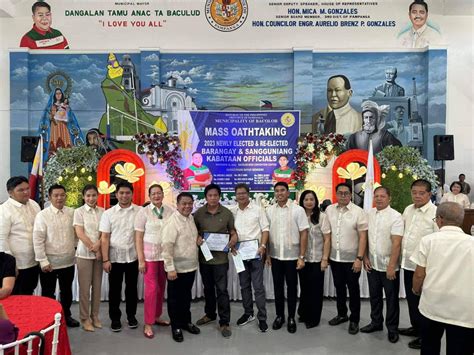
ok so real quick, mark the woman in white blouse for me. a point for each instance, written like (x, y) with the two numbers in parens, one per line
(456, 195)
(88, 258)
(316, 262)
(149, 222)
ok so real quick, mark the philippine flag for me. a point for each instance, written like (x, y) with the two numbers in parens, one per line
(36, 174)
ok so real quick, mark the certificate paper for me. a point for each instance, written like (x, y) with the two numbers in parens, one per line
(217, 241)
(248, 249)
(238, 262)
(206, 252)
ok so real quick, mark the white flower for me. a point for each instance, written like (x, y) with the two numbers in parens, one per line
(311, 147)
(329, 146)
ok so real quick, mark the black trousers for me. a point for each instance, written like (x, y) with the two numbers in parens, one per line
(285, 271)
(459, 340)
(26, 281)
(378, 283)
(412, 300)
(179, 299)
(311, 293)
(214, 279)
(65, 277)
(344, 277)
(116, 276)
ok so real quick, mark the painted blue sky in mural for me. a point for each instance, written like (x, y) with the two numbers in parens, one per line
(222, 80)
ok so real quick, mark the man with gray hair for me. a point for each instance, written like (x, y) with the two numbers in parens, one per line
(443, 277)
(373, 129)
(389, 88)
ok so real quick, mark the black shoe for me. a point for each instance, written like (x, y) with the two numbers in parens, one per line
(116, 326)
(71, 322)
(291, 326)
(410, 332)
(338, 320)
(353, 328)
(190, 327)
(132, 323)
(310, 325)
(370, 328)
(392, 337)
(263, 326)
(278, 323)
(246, 318)
(177, 335)
(415, 344)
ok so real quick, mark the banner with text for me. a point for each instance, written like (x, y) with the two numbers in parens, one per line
(227, 148)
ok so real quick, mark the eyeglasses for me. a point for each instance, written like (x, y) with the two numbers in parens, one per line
(343, 193)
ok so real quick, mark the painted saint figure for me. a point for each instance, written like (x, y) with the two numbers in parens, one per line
(58, 126)
(373, 129)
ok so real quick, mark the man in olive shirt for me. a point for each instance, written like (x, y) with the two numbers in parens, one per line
(214, 218)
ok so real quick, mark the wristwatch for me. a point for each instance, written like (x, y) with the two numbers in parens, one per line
(359, 257)
(301, 257)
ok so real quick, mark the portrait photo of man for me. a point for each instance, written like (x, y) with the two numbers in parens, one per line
(197, 175)
(42, 35)
(283, 172)
(339, 116)
(421, 33)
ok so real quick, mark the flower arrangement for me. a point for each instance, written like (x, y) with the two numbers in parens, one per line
(74, 168)
(316, 149)
(162, 148)
(400, 167)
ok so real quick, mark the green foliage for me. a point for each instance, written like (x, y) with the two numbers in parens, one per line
(74, 168)
(400, 167)
(400, 188)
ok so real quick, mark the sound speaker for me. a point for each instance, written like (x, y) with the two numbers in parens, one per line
(28, 148)
(443, 147)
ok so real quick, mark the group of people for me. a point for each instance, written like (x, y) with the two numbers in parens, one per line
(298, 241)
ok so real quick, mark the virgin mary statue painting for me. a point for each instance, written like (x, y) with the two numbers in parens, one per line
(58, 126)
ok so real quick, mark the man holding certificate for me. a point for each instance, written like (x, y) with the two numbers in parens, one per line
(215, 225)
(288, 241)
(252, 229)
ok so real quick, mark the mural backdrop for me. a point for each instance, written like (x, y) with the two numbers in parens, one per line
(123, 93)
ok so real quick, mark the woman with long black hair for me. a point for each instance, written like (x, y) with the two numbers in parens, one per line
(316, 262)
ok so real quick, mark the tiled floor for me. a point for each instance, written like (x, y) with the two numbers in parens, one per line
(323, 339)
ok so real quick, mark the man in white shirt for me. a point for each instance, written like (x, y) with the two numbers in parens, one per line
(382, 264)
(420, 34)
(17, 216)
(443, 276)
(119, 256)
(251, 224)
(418, 218)
(180, 255)
(54, 242)
(339, 116)
(346, 225)
(288, 242)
